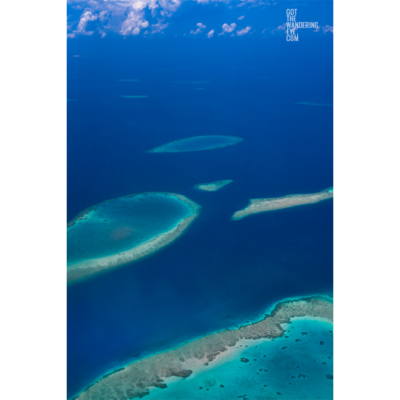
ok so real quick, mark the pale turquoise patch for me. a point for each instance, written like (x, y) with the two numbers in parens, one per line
(301, 369)
(134, 97)
(197, 143)
(118, 225)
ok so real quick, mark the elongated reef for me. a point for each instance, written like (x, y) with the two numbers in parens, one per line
(137, 378)
(197, 143)
(277, 203)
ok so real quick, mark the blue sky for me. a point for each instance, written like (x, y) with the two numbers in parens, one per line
(207, 19)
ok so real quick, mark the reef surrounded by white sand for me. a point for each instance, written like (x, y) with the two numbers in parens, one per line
(139, 377)
(213, 186)
(115, 225)
(197, 143)
(277, 203)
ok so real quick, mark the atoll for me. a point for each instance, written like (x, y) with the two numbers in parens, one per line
(277, 203)
(119, 231)
(137, 378)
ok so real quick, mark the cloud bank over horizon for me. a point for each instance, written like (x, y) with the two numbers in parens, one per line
(150, 17)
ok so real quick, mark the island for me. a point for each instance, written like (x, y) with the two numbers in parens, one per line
(139, 377)
(122, 230)
(277, 203)
(197, 143)
(213, 186)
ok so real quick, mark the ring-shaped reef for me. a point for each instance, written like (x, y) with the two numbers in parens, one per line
(197, 143)
(119, 231)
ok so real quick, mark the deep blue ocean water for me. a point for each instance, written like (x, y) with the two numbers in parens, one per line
(220, 272)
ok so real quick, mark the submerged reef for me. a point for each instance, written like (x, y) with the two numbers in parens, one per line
(136, 379)
(276, 203)
(197, 143)
(119, 231)
(213, 186)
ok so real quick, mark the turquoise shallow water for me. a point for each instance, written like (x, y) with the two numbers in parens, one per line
(296, 366)
(123, 223)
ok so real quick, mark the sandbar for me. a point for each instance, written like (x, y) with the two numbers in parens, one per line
(139, 377)
(277, 203)
(126, 237)
(213, 186)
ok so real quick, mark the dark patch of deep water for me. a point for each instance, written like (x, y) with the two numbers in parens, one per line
(220, 272)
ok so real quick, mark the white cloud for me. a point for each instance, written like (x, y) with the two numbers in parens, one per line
(127, 17)
(280, 28)
(212, 1)
(327, 28)
(169, 5)
(228, 28)
(86, 17)
(134, 22)
(130, 17)
(243, 31)
(210, 34)
(200, 26)
(159, 26)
